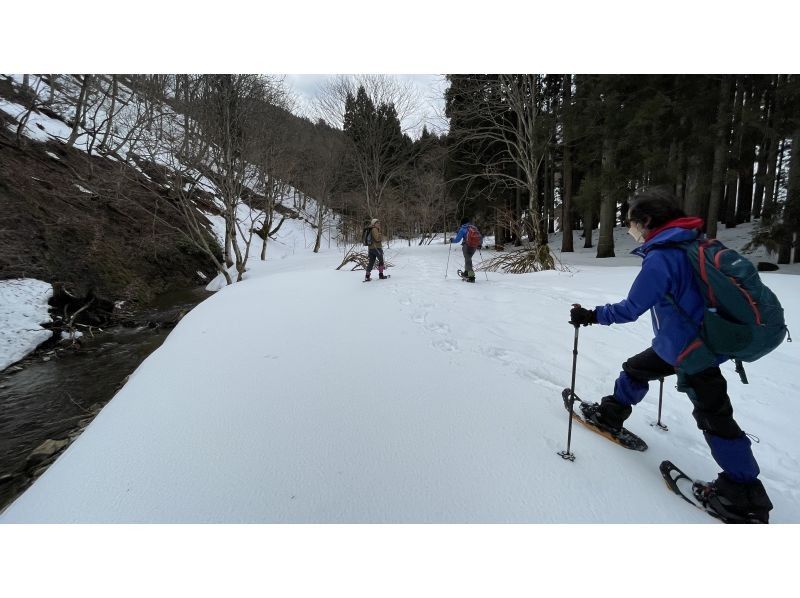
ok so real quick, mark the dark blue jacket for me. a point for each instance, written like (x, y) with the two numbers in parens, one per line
(665, 271)
(462, 233)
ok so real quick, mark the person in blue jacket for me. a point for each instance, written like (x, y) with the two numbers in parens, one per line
(665, 281)
(466, 250)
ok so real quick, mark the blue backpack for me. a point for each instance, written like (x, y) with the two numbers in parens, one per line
(743, 318)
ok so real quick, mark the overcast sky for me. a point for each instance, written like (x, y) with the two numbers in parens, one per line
(429, 87)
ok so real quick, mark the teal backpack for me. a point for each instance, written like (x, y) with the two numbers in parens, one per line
(743, 318)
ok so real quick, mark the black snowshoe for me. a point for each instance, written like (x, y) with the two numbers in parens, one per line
(465, 277)
(714, 497)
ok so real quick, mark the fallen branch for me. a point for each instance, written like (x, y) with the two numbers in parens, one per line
(359, 259)
(522, 261)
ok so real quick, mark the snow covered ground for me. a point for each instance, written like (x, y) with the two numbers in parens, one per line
(23, 307)
(303, 395)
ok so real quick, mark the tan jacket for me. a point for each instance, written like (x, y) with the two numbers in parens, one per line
(377, 237)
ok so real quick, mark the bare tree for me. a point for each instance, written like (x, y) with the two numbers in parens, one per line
(273, 158)
(80, 107)
(374, 146)
(506, 113)
(229, 104)
(322, 165)
(381, 89)
(180, 154)
(33, 103)
(111, 111)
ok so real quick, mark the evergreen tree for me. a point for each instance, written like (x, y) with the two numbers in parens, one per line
(379, 146)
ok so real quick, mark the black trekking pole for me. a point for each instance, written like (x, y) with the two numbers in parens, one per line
(567, 454)
(658, 424)
(480, 253)
(448, 260)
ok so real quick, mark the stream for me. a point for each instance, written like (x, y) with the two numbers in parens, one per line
(57, 393)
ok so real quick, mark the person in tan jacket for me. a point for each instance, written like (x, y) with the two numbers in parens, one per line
(375, 238)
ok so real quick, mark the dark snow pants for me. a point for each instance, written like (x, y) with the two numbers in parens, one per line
(708, 392)
(468, 253)
(373, 255)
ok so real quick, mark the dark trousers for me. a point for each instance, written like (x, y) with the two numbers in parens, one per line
(708, 392)
(373, 255)
(468, 253)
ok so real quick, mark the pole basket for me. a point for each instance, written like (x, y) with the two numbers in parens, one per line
(566, 455)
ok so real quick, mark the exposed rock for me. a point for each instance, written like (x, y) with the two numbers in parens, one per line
(47, 449)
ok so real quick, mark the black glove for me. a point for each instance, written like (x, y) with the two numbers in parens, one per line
(580, 316)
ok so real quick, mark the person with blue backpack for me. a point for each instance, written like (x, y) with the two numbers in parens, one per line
(472, 240)
(667, 286)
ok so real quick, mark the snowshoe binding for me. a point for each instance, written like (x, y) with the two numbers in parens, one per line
(588, 415)
(466, 277)
(709, 497)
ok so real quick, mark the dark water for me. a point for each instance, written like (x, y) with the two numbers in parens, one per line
(53, 395)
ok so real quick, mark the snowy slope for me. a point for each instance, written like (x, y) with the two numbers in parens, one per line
(303, 395)
(23, 307)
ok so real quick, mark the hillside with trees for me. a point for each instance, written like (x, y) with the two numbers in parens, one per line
(127, 184)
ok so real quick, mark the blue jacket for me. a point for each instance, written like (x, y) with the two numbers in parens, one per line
(462, 233)
(665, 271)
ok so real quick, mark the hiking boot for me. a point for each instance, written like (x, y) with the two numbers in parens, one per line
(609, 414)
(739, 502)
(382, 276)
(366, 276)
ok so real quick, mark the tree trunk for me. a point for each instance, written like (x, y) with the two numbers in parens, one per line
(110, 112)
(535, 228)
(608, 206)
(791, 213)
(693, 186)
(551, 195)
(744, 204)
(51, 96)
(775, 146)
(545, 197)
(761, 175)
(768, 207)
(672, 159)
(744, 207)
(566, 199)
(588, 227)
(764, 150)
(23, 119)
(79, 108)
(720, 151)
(680, 176)
(733, 160)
